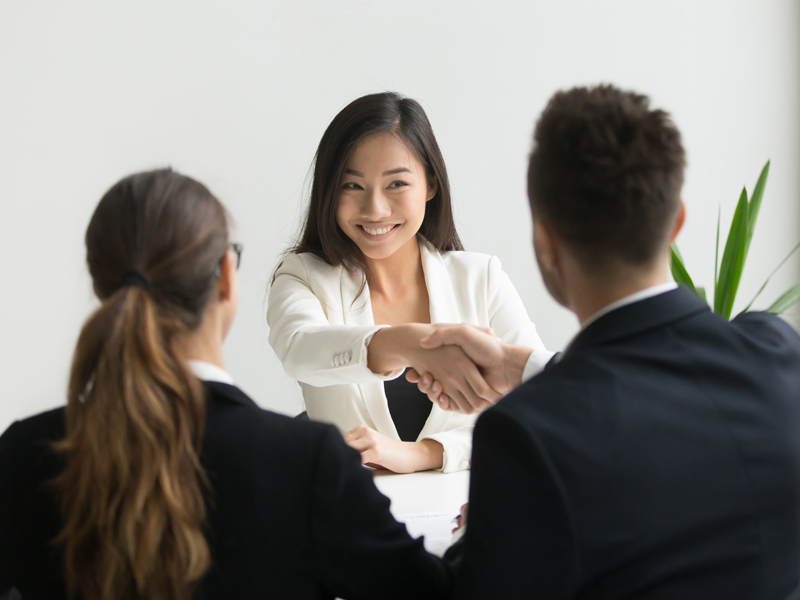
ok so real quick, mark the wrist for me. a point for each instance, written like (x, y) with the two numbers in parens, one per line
(430, 454)
(392, 348)
(516, 357)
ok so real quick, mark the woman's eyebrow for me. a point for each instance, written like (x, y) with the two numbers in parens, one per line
(385, 173)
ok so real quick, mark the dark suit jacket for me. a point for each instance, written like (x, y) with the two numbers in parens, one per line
(292, 513)
(659, 458)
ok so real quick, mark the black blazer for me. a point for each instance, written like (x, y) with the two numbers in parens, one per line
(659, 458)
(292, 513)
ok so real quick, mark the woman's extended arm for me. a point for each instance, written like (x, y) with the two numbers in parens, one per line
(319, 353)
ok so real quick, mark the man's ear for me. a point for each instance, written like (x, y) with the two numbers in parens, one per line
(545, 244)
(679, 220)
(433, 187)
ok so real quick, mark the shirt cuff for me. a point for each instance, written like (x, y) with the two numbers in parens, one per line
(536, 362)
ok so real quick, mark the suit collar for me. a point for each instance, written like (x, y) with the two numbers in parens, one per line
(225, 392)
(636, 318)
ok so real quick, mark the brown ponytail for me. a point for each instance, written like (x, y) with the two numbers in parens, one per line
(132, 489)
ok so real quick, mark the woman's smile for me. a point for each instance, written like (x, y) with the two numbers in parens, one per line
(376, 234)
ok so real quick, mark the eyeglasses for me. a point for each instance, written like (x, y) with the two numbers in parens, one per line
(237, 248)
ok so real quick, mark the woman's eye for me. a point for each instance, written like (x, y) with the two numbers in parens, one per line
(397, 184)
(351, 186)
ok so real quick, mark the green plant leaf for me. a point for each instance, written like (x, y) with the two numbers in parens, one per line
(789, 298)
(679, 272)
(701, 291)
(716, 252)
(775, 270)
(754, 206)
(732, 265)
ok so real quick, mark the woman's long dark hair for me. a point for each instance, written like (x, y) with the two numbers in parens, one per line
(387, 112)
(132, 489)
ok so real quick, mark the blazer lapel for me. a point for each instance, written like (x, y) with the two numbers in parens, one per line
(638, 317)
(442, 298)
(357, 310)
(443, 309)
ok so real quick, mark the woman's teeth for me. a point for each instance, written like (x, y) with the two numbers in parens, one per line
(381, 231)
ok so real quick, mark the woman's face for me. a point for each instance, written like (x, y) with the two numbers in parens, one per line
(382, 196)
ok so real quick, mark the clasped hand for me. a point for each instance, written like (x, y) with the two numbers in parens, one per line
(498, 364)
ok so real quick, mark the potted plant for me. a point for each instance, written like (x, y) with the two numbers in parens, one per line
(728, 273)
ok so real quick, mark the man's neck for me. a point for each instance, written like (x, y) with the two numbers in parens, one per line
(590, 295)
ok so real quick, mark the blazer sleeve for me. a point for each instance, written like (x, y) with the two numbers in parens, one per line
(312, 350)
(519, 540)
(7, 487)
(360, 550)
(456, 443)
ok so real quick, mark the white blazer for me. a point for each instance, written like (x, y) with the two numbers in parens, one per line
(320, 328)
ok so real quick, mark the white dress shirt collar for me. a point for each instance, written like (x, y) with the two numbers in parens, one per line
(654, 290)
(207, 372)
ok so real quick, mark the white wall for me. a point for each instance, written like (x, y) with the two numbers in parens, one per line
(237, 95)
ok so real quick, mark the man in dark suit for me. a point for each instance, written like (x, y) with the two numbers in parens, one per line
(659, 455)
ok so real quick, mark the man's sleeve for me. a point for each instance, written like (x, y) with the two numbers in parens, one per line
(361, 551)
(6, 489)
(519, 541)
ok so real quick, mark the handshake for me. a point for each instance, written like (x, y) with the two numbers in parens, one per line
(465, 368)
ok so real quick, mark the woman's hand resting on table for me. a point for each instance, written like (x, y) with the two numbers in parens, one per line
(383, 452)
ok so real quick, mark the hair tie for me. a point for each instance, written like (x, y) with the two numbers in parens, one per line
(134, 277)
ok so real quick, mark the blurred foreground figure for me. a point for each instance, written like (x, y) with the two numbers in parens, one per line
(161, 479)
(659, 455)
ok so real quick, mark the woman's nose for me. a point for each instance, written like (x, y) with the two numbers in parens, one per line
(376, 205)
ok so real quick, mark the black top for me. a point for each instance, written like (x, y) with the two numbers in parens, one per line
(408, 406)
(658, 459)
(292, 513)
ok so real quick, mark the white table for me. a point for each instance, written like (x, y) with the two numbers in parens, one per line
(426, 502)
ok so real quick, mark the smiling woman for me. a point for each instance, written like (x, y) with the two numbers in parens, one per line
(378, 264)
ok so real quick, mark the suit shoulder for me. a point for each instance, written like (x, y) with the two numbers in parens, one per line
(44, 427)
(235, 416)
(768, 327)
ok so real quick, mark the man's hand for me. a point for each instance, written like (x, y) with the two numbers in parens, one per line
(383, 452)
(456, 372)
(500, 364)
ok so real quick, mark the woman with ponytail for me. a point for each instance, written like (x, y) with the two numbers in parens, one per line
(162, 480)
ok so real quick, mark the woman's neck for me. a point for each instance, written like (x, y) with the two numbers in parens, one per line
(397, 289)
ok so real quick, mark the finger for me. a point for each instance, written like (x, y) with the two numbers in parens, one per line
(360, 444)
(425, 385)
(454, 334)
(478, 384)
(370, 457)
(468, 394)
(412, 376)
(352, 434)
(444, 402)
(486, 330)
(460, 404)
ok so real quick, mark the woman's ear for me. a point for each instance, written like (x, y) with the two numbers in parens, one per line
(433, 187)
(225, 281)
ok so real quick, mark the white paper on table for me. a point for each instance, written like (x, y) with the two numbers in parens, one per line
(437, 527)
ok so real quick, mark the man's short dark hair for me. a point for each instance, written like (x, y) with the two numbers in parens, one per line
(606, 173)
